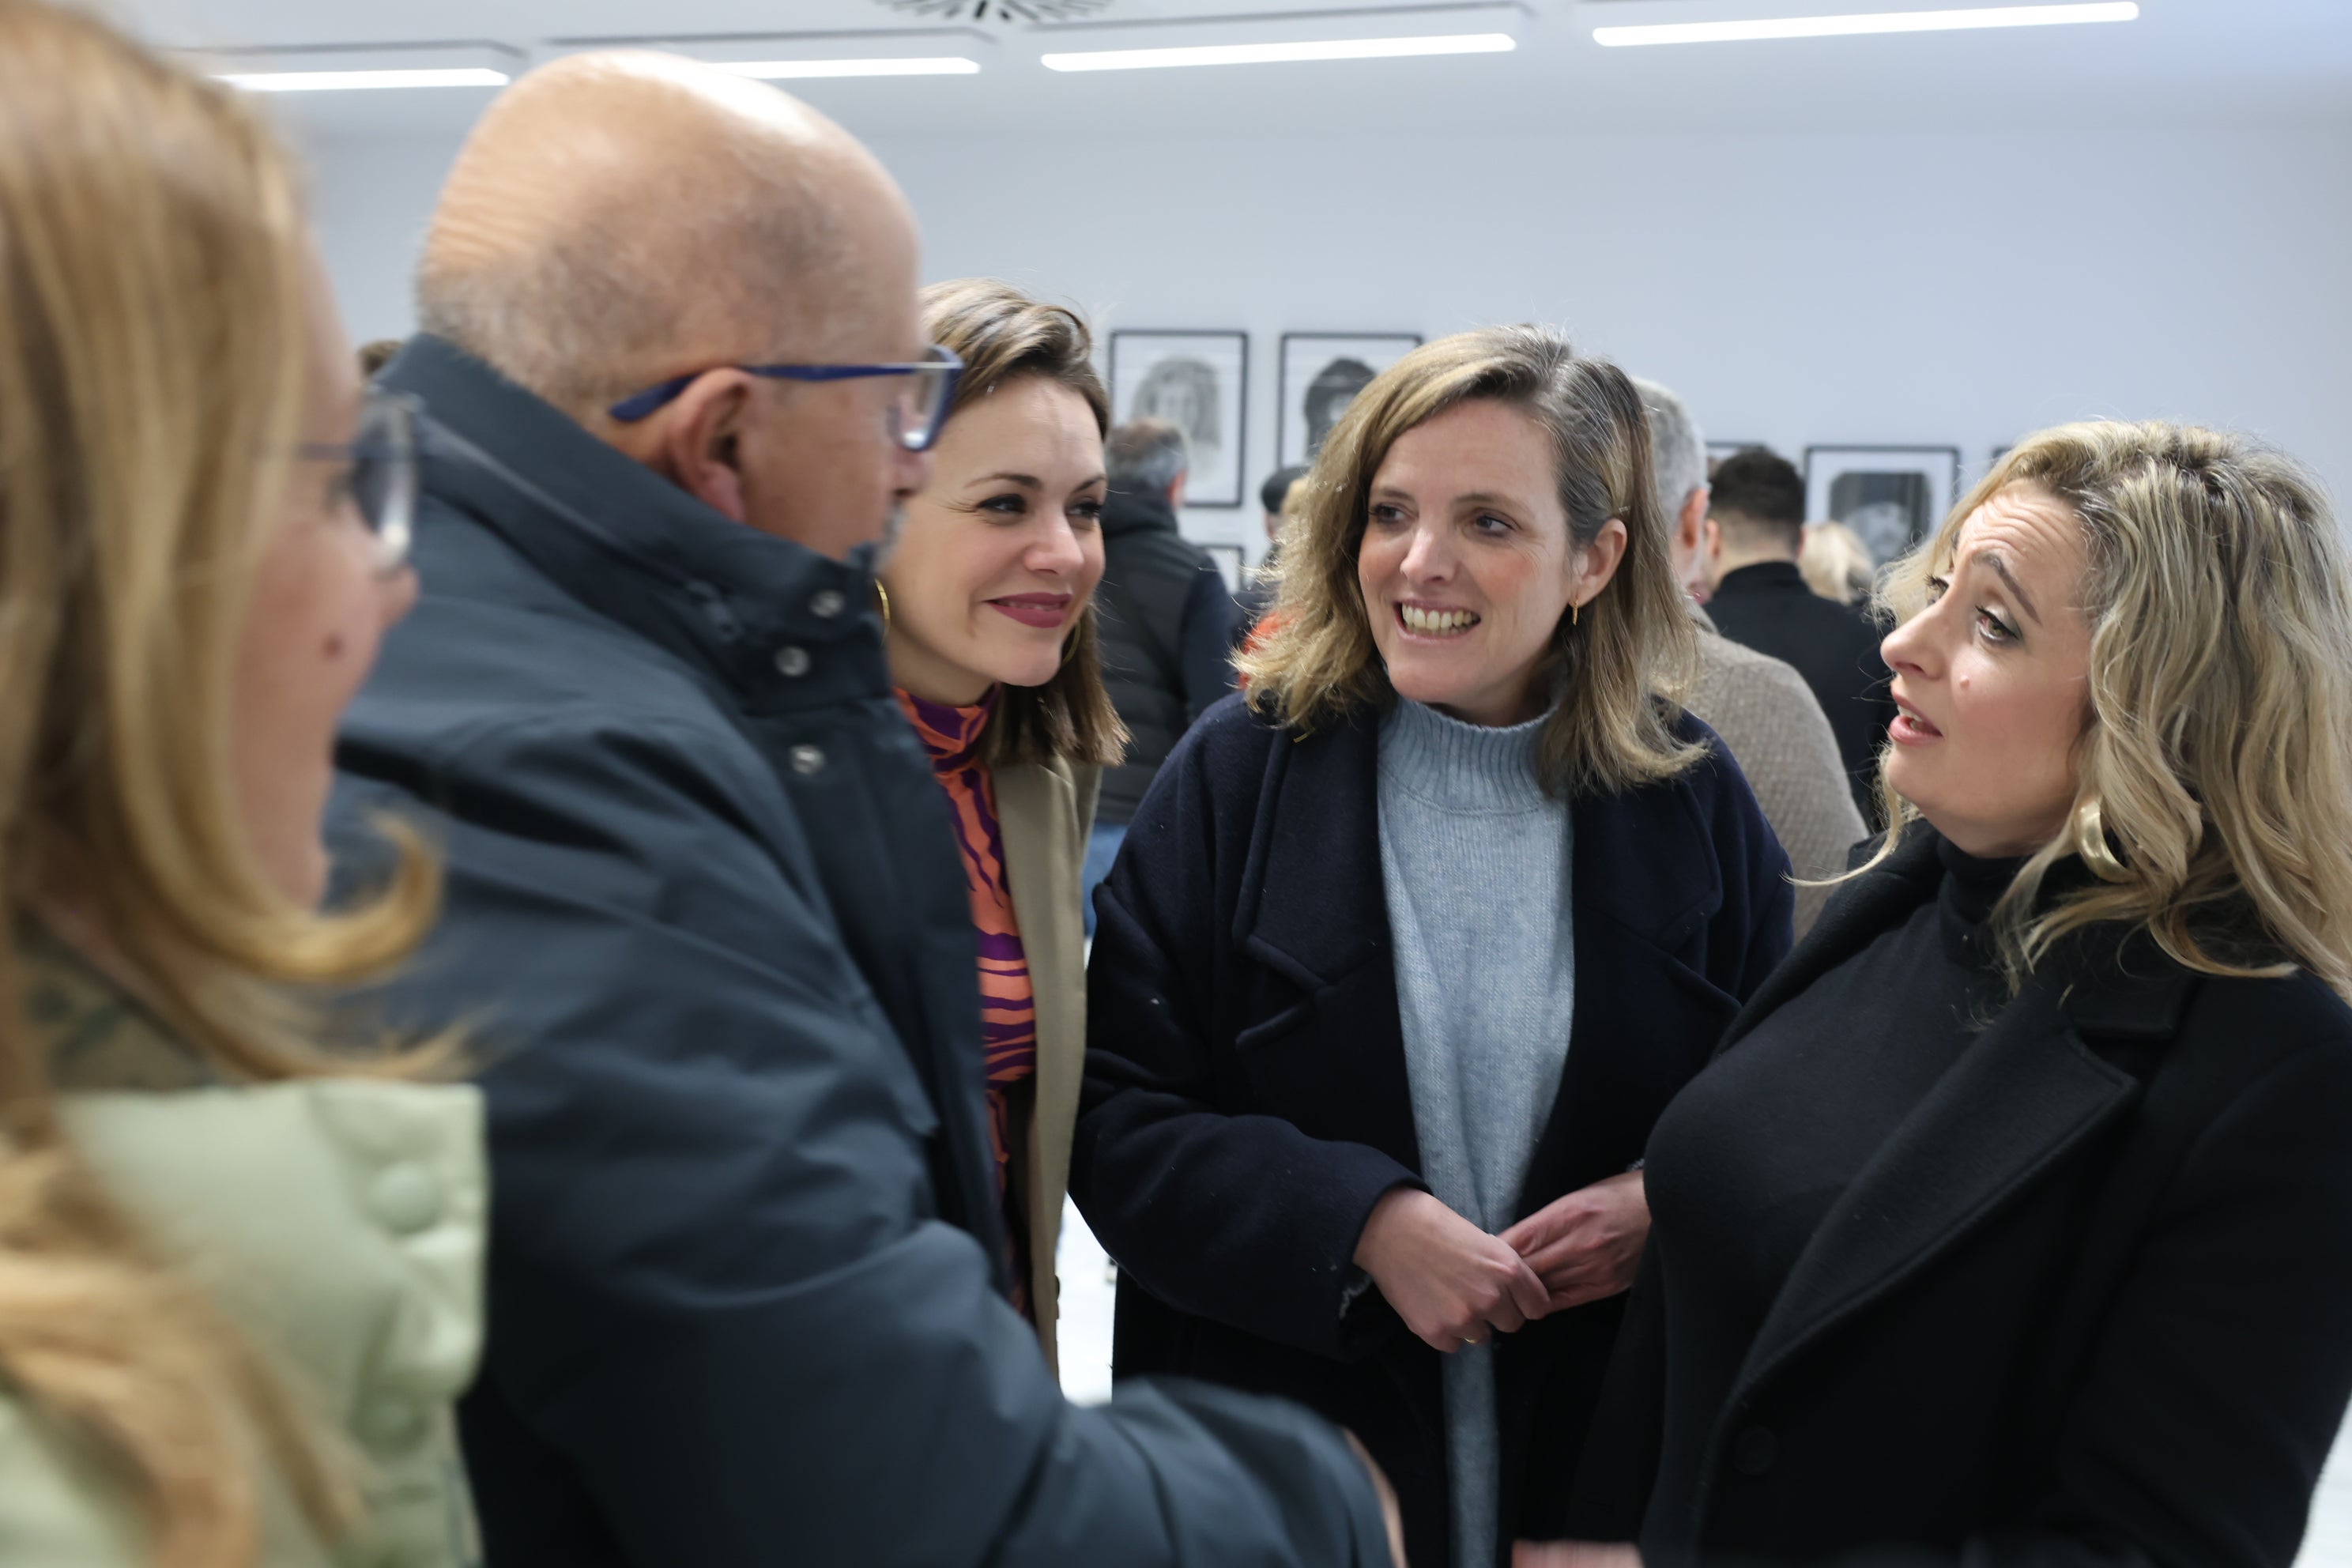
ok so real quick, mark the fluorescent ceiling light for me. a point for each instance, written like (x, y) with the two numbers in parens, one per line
(360, 81)
(1881, 22)
(1280, 54)
(787, 70)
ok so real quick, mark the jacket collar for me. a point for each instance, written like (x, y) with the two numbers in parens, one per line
(1314, 855)
(619, 538)
(1764, 575)
(2042, 1078)
(1137, 512)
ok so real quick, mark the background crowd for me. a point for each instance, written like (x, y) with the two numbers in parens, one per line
(549, 1015)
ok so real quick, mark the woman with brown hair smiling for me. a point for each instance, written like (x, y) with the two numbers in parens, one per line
(990, 617)
(1402, 956)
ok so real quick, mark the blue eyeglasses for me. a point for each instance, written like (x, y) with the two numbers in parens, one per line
(380, 472)
(916, 413)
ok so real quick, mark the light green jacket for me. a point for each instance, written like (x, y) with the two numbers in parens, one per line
(340, 1224)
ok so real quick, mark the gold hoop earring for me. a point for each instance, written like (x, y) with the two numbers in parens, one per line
(2091, 842)
(882, 598)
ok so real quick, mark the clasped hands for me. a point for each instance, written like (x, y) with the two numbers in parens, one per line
(1455, 1285)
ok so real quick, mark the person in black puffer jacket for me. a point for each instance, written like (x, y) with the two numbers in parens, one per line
(1168, 625)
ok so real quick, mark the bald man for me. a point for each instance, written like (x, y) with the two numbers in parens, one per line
(706, 926)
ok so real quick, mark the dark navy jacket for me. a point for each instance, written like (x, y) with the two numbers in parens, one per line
(1246, 1101)
(709, 933)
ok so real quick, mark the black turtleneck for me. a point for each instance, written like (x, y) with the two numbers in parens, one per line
(1748, 1160)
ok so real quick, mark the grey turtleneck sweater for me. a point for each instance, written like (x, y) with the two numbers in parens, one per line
(1474, 859)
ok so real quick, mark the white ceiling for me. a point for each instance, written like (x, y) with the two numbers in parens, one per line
(2183, 61)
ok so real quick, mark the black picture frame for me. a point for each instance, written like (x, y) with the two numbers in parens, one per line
(1920, 505)
(1367, 353)
(1219, 475)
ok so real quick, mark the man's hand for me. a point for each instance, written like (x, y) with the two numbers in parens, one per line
(1587, 1245)
(1390, 1509)
(1451, 1282)
(1572, 1554)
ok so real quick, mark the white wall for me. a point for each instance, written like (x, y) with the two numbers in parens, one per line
(1949, 290)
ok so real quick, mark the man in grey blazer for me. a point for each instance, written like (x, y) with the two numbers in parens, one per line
(1761, 707)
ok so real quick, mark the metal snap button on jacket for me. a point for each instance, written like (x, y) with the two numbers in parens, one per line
(825, 603)
(807, 760)
(405, 1197)
(792, 662)
(391, 1421)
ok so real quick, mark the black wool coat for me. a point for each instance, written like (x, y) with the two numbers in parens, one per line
(1246, 1101)
(2090, 1304)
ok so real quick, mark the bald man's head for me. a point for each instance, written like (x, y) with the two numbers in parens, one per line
(619, 218)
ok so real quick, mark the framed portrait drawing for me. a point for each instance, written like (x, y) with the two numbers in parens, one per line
(1892, 497)
(1200, 380)
(1321, 373)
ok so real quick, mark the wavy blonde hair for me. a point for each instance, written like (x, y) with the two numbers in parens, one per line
(1618, 667)
(2217, 748)
(153, 346)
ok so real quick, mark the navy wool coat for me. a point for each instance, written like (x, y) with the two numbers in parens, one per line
(707, 931)
(1246, 1101)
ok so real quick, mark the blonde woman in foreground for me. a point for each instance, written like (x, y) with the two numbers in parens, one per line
(239, 1275)
(2014, 1223)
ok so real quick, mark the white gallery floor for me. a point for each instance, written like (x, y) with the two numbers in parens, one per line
(1086, 1377)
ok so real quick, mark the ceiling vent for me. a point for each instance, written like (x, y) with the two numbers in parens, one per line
(1000, 10)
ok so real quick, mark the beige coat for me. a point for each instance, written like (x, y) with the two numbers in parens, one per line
(1044, 812)
(1774, 727)
(338, 1224)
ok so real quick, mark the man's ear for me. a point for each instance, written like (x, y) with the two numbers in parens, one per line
(1176, 489)
(1691, 527)
(693, 441)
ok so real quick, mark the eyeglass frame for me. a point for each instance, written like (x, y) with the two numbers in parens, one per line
(403, 415)
(946, 365)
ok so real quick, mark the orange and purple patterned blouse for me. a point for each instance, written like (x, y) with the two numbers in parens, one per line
(1008, 1001)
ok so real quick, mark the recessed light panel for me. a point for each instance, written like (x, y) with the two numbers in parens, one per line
(1876, 22)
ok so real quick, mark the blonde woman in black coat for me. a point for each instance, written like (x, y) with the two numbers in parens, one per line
(2012, 1225)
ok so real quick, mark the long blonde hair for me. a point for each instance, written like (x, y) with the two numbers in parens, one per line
(154, 341)
(2218, 746)
(1613, 665)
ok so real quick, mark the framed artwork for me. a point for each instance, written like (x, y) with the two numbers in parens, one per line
(1892, 497)
(1200, 380)
(1232, 561)
(1321, 373)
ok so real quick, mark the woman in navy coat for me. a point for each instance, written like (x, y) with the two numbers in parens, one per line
(1371, 1061)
